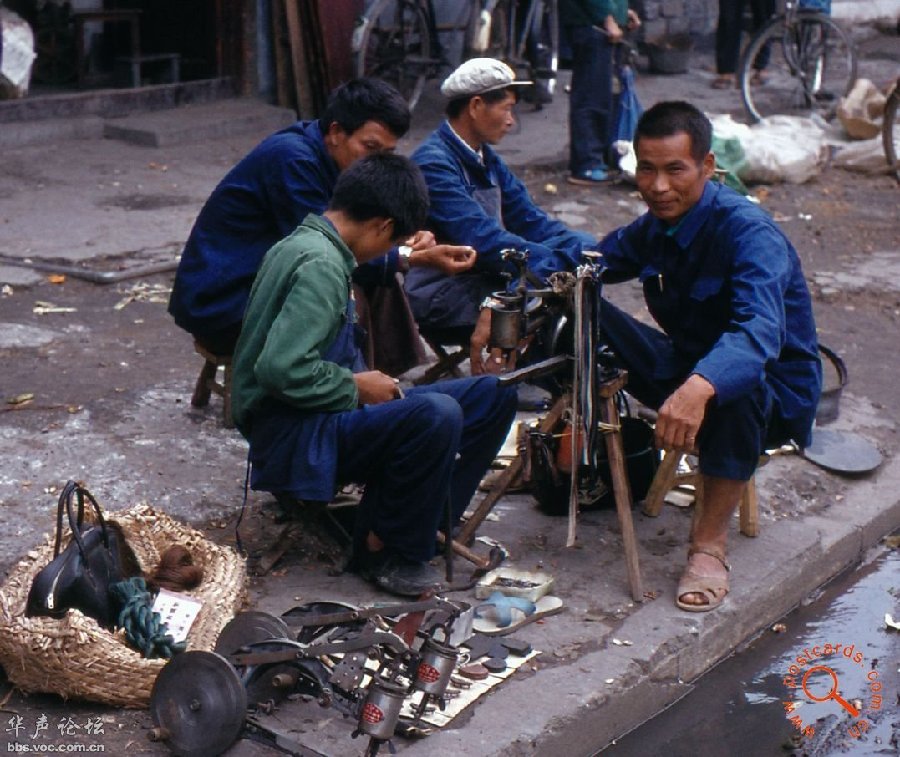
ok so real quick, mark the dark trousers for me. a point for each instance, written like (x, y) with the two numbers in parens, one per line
(732, 436)
(590, 100)
(728, 32)
(405, 452)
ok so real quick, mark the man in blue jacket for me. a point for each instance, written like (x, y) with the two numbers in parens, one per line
(265, 197)
(736, 370)
(477, 201)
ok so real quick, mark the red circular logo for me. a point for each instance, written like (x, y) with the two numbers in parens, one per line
(427, 673)
(372, 714)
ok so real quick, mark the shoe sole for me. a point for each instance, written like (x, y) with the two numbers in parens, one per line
(587, 182)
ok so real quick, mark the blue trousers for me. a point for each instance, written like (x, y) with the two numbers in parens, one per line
(591, 99)
(413, 453)
(732, 436)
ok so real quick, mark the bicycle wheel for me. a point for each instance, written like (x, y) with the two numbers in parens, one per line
(800, 67)
(890, 131)
(393, 43)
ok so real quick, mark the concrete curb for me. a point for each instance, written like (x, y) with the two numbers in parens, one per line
(772, 574)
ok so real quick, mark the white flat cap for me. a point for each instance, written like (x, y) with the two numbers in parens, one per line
(477, 76)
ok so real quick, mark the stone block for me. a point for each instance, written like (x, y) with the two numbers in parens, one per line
(679, 25)
(655, 29)
(651, 11)
(673, 8)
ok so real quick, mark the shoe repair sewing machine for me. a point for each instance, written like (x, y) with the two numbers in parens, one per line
(559, 326)
(351, 659)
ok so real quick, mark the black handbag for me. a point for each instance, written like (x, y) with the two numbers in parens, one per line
(80, 576)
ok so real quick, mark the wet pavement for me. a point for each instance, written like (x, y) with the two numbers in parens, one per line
(111, 378)
(744, 707)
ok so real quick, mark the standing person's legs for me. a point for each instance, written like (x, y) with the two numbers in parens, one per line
(762, 11)
(590, 104)
(728, 42)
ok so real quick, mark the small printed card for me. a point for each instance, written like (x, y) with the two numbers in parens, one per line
(177, 611)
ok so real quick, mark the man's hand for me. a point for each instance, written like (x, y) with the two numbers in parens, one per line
(375, 387)
(682, 414)
(496, 362)
(634, 21)
(447, 258)
(613, 30)
(421, 240)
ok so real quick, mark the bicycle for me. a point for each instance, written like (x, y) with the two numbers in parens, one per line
(890, 130)
(399, 41)
(800, 63)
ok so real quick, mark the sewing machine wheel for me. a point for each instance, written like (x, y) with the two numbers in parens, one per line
(249, 627)
(198, 704)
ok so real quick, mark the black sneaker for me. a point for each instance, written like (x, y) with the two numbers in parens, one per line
(398, 575)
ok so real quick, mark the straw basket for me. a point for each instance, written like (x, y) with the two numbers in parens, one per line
(75, 657)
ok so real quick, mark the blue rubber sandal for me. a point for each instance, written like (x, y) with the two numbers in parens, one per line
(499, 614)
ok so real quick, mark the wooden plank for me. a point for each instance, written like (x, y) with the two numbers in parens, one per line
(749, 513)
(281, 49)
(622, 495)
(305, 108)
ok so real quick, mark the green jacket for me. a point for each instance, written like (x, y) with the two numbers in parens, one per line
(296, 307)
(592, 12)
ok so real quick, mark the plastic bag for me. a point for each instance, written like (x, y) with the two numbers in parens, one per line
(628, 107)
(778, 148)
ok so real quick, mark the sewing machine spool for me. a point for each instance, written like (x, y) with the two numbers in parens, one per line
(506, 321)
(381, 710)
(436, 667)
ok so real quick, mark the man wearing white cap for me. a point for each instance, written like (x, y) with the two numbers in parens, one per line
(477, 201)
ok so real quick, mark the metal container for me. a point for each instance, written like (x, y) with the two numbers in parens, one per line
(506, 321)
(378, 716)
(435, 668)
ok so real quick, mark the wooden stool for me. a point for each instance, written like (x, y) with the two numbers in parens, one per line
(609, 416)
(447, 363)
(207, 384)
(667, 478)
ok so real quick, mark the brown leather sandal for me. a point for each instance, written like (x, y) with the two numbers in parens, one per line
(713, 588)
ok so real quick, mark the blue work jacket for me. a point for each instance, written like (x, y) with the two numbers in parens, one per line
(726, 286)
(259, 202)
(454, 174)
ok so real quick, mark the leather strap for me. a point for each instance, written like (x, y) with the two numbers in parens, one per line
(712, 553)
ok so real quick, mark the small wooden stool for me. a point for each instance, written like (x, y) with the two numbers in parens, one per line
(667, 478)
(447, 364)
(207, 383)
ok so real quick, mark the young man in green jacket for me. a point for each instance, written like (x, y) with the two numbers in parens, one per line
(315, 418)
(594, 28)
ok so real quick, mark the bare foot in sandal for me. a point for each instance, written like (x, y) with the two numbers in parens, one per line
(704, 583)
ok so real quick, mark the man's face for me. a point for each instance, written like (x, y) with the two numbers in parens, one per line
(370, 138)
(491, 122)
(668, 178)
